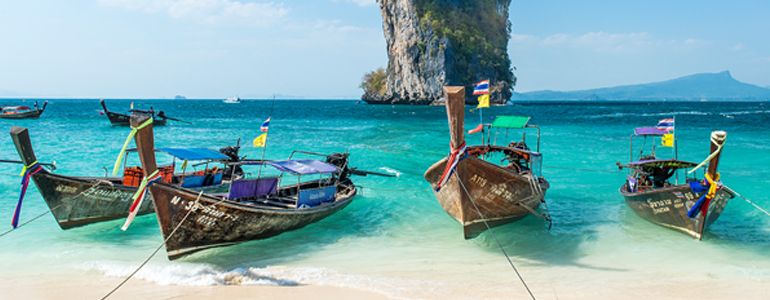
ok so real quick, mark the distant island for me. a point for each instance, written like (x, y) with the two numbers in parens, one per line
(178, 97)
(698, 87)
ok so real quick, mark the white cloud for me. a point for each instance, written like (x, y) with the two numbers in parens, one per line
(209, 11)
(360, 2)
(737, 47)
(603, 42)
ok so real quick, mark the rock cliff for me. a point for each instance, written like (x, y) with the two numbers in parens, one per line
(433, 43)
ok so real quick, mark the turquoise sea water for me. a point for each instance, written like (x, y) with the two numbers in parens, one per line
(395, 238)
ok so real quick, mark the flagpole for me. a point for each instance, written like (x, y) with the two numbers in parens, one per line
(264, 148)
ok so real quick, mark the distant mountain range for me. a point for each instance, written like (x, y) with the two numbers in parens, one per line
(698, 87)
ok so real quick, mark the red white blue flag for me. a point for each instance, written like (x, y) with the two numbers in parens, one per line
(481, 88)
(265, 124)
(666, 124)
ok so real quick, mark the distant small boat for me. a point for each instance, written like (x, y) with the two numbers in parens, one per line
(652, 195)
(232, 100)
(118, 119)
(22, 112)
(478, 192)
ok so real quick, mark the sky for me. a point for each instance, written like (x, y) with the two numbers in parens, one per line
(320, 49)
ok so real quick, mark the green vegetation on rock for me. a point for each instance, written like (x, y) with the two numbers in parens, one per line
(477, 31)
(374, 82)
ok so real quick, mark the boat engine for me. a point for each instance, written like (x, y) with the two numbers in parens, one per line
(340, 160)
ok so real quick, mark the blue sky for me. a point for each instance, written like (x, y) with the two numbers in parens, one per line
(320, 49)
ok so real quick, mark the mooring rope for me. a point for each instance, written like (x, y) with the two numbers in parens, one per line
(93, 186)
(495, 237)
(30, 221)
(747, 200)
(385, 190)
(579, 169)
(159, 247)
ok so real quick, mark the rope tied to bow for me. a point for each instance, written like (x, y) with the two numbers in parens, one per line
(134, 130)
(451, 163)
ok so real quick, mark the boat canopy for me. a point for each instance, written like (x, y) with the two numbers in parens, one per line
(673, 163)
(194, 153)
(510, 122)
(300, 167)
(649, 131)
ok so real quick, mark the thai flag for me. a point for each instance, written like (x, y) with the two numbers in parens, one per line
(481, 88)
(265, 124)
(666, 124)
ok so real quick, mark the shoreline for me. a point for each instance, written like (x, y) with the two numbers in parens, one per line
(93, 286)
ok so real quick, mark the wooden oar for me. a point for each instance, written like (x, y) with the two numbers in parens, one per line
(178, 120)
(50, 165)
(354, 171)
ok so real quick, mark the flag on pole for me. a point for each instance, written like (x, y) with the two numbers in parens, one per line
(260, 140)
(666, 124)
(483, 101)
(132, 105)
(667, 140)
(477, 129)
(265, 124)
(481, 88)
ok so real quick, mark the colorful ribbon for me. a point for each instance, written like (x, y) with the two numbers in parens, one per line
(26, 172)
(134, 130)
(451, 164)
(139, 197)
(702, 206)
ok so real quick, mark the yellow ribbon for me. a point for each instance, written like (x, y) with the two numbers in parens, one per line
(134, 130)
(712, 186)
(24, 169)
(719, 148)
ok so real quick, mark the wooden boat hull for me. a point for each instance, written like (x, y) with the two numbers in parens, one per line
(117, 119)
(78, 201)
(668, 207)
(214, 222)
(501, 196)
(32, 114)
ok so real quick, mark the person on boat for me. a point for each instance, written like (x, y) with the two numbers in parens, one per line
(35, 104)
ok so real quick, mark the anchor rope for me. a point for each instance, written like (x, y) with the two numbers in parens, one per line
(378, 189)
(157, 249)
(496, 240)
(93, 186)
(747, 200)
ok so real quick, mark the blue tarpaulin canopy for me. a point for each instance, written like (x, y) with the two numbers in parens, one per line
(194, 153)
(301, 167)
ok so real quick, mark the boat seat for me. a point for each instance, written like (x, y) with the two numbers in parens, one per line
(251, 188)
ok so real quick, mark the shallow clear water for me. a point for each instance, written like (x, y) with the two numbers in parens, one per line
(395, 238)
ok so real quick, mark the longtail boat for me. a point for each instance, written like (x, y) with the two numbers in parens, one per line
(118, 119)
(473, 189)
(22, 112)
(653, 189)
(253, 208)
(81, 200)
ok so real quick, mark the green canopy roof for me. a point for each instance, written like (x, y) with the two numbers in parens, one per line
(510, 122)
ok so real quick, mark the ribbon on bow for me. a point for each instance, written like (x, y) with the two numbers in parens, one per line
(134, 130)
(702, 206)
(26, 172)
(451, 164)
(138, 197)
